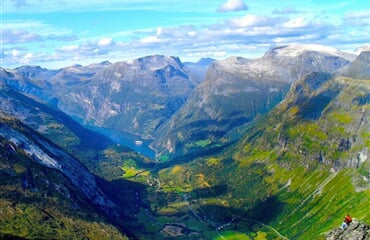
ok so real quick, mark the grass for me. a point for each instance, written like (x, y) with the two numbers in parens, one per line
(232, 235)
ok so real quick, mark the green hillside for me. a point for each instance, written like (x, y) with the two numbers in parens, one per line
(37, 202)
(295, 174)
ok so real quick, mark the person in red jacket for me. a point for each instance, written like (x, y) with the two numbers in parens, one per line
(346, 222)
(348, 219)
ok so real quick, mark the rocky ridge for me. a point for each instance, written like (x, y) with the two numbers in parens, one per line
(355, 231)
(47, 154)
(134, 96)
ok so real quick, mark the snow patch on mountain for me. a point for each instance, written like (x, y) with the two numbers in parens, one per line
(364, 48)
(295, 50)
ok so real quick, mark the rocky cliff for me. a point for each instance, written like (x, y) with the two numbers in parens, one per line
(355, 231)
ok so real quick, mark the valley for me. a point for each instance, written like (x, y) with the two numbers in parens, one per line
(153, 148)
(133, 142)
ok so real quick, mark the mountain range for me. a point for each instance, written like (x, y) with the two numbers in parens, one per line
(274, 147)
(236, 90)
(161, 99)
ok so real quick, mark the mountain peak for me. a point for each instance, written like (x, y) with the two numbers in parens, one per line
(294, 50)
(363, 48)
(29, 68)
(155, 61)
(105, 63)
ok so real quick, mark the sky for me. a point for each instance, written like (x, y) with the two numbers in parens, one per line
(59, 33)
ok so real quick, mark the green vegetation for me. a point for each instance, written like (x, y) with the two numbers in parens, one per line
(40, 203)
(289, 177)
(231, 235)
(295, 173)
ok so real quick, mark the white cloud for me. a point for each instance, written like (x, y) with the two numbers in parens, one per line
(69, 48)
(18, 36)
(105, 42)
(15, 53)
(18, 31)
(233, 5)
(253, 21)
(149, 40)
(90, 48)
(247, 35)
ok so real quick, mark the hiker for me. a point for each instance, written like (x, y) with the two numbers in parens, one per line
(346, 222)
(348, 219)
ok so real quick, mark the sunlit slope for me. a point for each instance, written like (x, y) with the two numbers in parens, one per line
(299, 169)
(40, 201)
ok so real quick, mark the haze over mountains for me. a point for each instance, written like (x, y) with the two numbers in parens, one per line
(241, 143)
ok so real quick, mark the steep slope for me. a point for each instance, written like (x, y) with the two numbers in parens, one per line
(135, 96)
(89, 147)
(360, 68)
(236, 90)
(45, 193)
(111, 162)
(295, 174)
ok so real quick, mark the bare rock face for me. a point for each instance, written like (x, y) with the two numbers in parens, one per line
(356, 231)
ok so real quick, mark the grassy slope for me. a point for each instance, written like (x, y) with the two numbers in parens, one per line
(283, 172)
(40, 203)
(98, 153)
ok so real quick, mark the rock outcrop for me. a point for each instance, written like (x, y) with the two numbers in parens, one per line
(356, 231)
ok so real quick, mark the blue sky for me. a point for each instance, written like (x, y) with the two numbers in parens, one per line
(59, 33)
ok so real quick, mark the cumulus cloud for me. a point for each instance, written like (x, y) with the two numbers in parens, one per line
(18, 36)
(15, 36)
(232, 5)
(230, 37)
(98, 47)
(103, 42)
(17, 32)
(17, 56)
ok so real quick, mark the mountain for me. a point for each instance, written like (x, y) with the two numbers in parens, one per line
(363, 48)
(295, 174)
(47, 194)
(292, 172)
(160, 98)
(106, 163)
(135, 96)
(360, 68)
(61, 129)
(235, 91)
